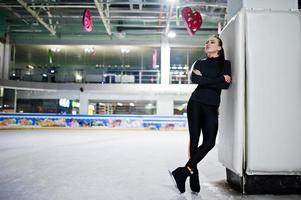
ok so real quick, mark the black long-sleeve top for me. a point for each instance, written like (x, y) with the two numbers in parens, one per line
(211, 82)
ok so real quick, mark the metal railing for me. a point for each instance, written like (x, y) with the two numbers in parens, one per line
(82, 76)
(100, 76)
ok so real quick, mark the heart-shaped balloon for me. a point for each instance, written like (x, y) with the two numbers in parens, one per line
(192, 20)
(87, 20)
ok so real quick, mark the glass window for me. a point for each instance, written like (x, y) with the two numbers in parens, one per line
(180, 108)
(7, 100)
(181, 59)
(82, 63)
(108, 107)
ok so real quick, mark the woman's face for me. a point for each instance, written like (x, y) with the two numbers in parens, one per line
(212, 46)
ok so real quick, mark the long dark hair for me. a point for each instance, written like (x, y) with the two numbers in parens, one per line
(221, 53)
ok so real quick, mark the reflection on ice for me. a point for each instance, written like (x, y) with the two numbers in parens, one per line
(194, 196)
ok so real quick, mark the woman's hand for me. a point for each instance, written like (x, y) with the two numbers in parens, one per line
(197, 72)
(227, 78)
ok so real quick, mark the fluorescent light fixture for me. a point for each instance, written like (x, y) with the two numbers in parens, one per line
(78, 77)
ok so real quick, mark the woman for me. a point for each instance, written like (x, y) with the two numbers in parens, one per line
(212, 75)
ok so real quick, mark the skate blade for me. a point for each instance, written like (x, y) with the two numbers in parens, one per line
(174, 182)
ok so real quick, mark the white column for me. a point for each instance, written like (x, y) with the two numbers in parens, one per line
(15, 101)
(84, 103)
(7, 49)
(165, 60)
(165, 106)
(1, 59)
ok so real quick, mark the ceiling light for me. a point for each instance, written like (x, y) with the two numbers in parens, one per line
(149, 106)
(89, 50)
(78, 77)
(171, 34)
(124, 50)
(30, 67)
(55, 49)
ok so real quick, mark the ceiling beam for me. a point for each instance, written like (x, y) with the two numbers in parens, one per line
(169, 15)
(87, 5)
(35, 15)
(49, 17)
(105, 20)
(16, 14)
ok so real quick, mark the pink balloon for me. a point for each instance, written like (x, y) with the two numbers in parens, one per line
(87, 20)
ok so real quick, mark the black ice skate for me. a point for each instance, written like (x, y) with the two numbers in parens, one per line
(194, 181)
(179, 176)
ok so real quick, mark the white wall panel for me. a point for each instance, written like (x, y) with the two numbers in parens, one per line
(1, 59)
(273, 92)
(233, 6)
(232, 113)
(271, 4)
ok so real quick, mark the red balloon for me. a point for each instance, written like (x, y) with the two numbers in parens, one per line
(192, 20)
(87, 20)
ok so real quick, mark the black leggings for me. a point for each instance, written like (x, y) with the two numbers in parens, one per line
(201, 117)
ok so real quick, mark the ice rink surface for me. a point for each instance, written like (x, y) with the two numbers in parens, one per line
(105, 165)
